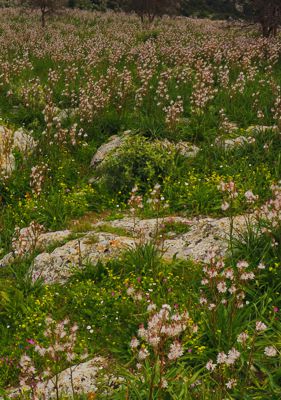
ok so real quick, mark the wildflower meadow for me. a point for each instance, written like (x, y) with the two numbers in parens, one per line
(140, 208)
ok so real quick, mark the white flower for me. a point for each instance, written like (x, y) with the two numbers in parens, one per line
(242, 264)
(222, 288)
(134, 343)
(130, 291)
(176, 351)
(143, 354)
(231, 383)
(142, 332)
(154, 340)
(151, 307)
(232, 356)
(260, 326)
(261, 266)
(210, 365)
(250, 196)
(247, 276)
(164, 384)
(221, 358)
(225, 206)
(242, 338)
(270, 351)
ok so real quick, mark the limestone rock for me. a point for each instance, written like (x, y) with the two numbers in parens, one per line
(204, 234)
(113, 144)
(228, 144)
(9, 141)
(116, 142)
(262, 128)
(84, 380)
(23, 142)
(58, 266)
(44, 240)
(186, 149)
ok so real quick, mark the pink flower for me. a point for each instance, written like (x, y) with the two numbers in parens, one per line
(210, 366)
(143, 354)
(250, 197)
(221, 286)
(134, 343)
(176, 351)
(270, 351)
(260, 326)
(225, 206)
(242, 338)
(231, 383)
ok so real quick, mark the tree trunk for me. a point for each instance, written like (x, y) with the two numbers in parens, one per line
(265, 30)
(43, 17)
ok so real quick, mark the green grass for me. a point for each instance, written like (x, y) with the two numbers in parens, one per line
(98, 64)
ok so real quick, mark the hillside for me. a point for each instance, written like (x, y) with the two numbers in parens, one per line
(139, 208)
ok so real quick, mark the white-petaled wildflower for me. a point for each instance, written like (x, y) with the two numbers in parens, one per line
(270, 351)
(231, 383)
(176, 351)
(151, 307)
(232, 356)
(222, 287)
(164, 384)
(143, 354)
(221, 358)
(211, 366)
(242, 264)
(260, 326)
(134, 343)
(242, 337)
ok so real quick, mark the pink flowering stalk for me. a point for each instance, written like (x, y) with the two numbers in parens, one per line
(159, 344)
(230, 193)
(58, 355)
(25, 240)
(135, 203)
(158, 204)
(223, 291)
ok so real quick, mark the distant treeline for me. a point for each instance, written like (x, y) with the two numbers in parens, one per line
(267, 13)
(199, 8)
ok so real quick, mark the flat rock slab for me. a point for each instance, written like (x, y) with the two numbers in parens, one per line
(82, 377)
(204, 234)
(115, 143)
(201, 236)
(9, 141)
(58, 265)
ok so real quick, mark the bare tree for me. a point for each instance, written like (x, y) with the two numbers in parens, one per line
(151, 8)
(46, 7)
(265, 12)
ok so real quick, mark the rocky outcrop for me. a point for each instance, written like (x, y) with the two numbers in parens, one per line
(228, 144)
(202, 236)
(80, 379)
(116, 142)
(44, 240)
(262, 128)
(238, 141)
(58, 265)
(9, 141)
